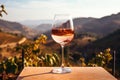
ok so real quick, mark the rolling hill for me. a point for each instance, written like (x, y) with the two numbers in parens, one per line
(16, 28)
(98, 27)
(101, 26)
(43, 27)
(8, 38)
(111, 41)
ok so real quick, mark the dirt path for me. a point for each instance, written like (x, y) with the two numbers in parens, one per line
(13, 44)
(5, 48)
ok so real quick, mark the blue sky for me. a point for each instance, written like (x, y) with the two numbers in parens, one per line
(19, 10)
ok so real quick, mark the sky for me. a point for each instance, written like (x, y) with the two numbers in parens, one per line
(20, 10)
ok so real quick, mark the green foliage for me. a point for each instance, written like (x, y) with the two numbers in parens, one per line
(10, 68)
(35, 57)
(82, 60)
(101, 59)
(10, 65)
(50, 60)
(1, 67)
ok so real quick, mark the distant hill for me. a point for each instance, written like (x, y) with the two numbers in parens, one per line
(36, 22)
(95, 26)
(43, 27)
(79, 22)
(99, 27)
(102, 26)
(16, 28)
(108, 27)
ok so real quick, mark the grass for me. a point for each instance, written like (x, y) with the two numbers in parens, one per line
(8, 38)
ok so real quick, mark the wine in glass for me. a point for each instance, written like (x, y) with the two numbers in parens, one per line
(62, 33)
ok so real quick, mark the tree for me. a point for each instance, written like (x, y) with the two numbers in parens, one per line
(2, 10)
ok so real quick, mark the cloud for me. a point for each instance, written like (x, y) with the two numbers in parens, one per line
(45, 9)
(37, 9)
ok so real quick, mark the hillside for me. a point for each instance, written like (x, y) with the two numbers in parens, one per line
(102, 26)
(79, 22)
(93, 29)
(98, 27)
(75, 45)
(112, 41)
(43, 27)
(8, 38)
(16, 28)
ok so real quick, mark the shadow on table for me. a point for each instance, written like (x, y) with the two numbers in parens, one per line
(22, 77)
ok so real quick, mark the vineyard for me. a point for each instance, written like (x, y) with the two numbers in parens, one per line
(33, 55)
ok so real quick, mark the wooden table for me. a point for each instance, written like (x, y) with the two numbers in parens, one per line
(78, 73)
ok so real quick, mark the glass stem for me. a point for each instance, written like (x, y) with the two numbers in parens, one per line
(62, 65)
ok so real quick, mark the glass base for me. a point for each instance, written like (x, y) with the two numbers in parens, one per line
(61, 70)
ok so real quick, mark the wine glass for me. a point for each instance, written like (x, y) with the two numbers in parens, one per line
(62, 33)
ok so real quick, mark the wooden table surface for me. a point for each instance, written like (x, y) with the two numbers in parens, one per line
(78, 73)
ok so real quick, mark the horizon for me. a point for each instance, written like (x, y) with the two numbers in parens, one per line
(22, 10)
